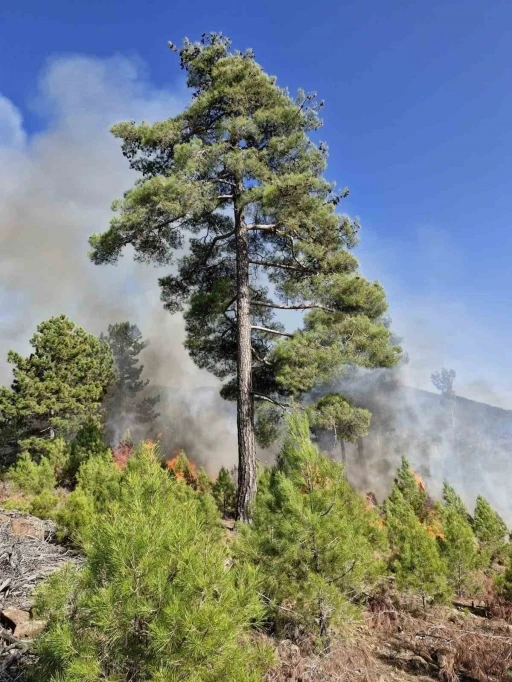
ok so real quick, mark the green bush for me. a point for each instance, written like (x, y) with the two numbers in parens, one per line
(415, 559)
(98, 482)
(224, 492)
(503, 581)
(32, 477)
(76, 518)
(44, 505)
(100, 478)
(16, 504)
(313, 538)
(58, 454)
(490, 530)
(155, 599)
(87, 444)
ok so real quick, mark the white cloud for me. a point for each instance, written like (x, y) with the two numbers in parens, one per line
(12, 135)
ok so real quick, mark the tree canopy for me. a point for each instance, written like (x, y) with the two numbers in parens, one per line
(237, 178)
(58, 388)
(126, 406)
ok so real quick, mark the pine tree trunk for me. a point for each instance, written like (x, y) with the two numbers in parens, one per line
(245, 406)
(343, 452)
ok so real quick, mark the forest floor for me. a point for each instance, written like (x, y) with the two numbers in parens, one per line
(397, 640)
(28, 554)
(405, 643)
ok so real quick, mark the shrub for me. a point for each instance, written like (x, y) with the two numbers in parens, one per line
(76, 518)
(155, 599)
(44, 505)
(31, 477)
(100, 478)
(58, 454)
(490, 529)
(87, 444)
(98, 481)
(503, 582)
(224, 492)
(21, 504)
(459, 548)
(415, 560)
(314, 539)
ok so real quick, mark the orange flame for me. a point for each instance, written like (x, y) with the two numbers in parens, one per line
(121, 455)
(174, 465)
(419, 482)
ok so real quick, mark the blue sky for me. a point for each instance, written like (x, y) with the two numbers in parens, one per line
(417, 118)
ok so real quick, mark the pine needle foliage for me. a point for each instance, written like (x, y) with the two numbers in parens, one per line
(58, 388)
(98, 486)
(224, 492)
(32, 477)
(453, 500)
(413, 493)
(458, 544)
(238, 177)
(313, 537)
(459, 549)
(415, 561)
(490, 529)
(155, 599)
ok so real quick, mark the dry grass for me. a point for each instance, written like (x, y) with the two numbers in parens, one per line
(400, 641)
(346, 661)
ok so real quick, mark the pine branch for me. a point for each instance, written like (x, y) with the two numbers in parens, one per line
(283, 266)
(305, 306)
(263, 227)
(266, 398)
(216, 239)
(270, 331)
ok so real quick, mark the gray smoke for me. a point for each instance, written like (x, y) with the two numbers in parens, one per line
(464, 442)
(56, 187)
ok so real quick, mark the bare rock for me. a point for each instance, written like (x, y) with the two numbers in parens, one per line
(31, 527)
(13, 617)
(30, 629)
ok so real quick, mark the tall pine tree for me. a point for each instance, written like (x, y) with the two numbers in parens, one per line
(237, 171)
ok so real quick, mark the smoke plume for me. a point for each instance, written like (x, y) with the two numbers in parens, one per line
(56, 187)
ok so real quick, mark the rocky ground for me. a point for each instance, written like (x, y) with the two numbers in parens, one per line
(27, 555)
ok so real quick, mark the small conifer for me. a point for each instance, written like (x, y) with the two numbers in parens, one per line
(416, 560)
(413, 493)
(459, 549)
(490, 529)
(224, 492)
(154, 600)
(453, 500)
(313, 537)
